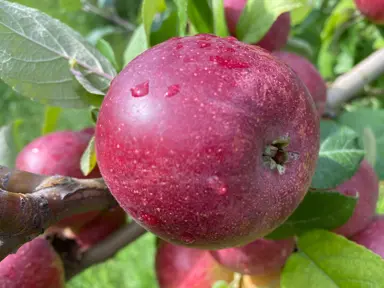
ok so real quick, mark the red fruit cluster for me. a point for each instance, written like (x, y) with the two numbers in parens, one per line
(262, 261)
(194, 139)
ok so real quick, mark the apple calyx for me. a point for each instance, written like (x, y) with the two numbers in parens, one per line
(276, 155)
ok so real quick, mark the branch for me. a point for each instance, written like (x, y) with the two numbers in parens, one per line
(350, 84)
(103, 250)
(40, 201)
(110, 16)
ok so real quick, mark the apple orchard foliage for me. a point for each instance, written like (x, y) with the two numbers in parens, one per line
(75, 83)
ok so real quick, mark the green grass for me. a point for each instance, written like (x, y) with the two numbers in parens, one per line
(132, 267)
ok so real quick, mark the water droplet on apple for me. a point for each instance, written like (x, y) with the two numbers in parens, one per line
(229, 63)
(187, 238)
(231, 38)
(148, 219)
(140, 90)
(217, 185)
(172, 90)
(179, 46)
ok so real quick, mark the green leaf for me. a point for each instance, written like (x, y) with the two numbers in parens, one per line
(106, 49)
(167, 29)
(319, 210)
(9, 143)
(380, 202)
(70, 5)
(339, 158)
(35, 52)
(88, 159)
(200, 15)
(360, 120)
(101, 32)
(329, 260)
(220, 284)
(259, 15)
(148, 11)
(299, 46)
(298, 15)
(137, 45)
(219, 22)
(340, 14)
(369, 140)
(326, 59)
(182, 13)
(51, 116)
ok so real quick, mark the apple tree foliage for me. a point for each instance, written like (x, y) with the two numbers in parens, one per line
(58, 58)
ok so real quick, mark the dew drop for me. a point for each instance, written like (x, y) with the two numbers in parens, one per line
(231, 38)
(35, 150)
(228, 62)
(179, 46)
(140, 90)
(148, 219)
(217, 185)
(187, 238)
(172, 90)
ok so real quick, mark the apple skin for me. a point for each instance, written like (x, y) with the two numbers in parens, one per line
(271, 280)
(372, 9)
(190, 167)
(309, 75)
(59, 153)
(35, 265)
(181, 267)
(372, 237)
(276, 37)
(100, 227)
(366, 183)
(260, 257)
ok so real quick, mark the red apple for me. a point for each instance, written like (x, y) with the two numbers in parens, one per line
(365, 184)
(100, 227)
(257, 258)
(34, 265)
(192, 135)
(372, 9)
(59, 153)
(271, 280)
(277, 36)
(372, 237)
(309, 75)
(181, 267)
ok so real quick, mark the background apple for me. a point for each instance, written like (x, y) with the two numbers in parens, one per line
(59, 153)
(181, 267)
(260, 257)
(372, 237)
(372, 9)
(276, 37)
(309, 75)
(34, 265)
(365, 184)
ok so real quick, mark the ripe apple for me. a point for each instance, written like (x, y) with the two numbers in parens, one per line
(372, 9)
(181, 267)
(59, 153)
(309, 75)
(35, 265)
(276, 37)
(100, 227)
(372, 237)
(365, 184)
(207, 141)
(260, 257)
